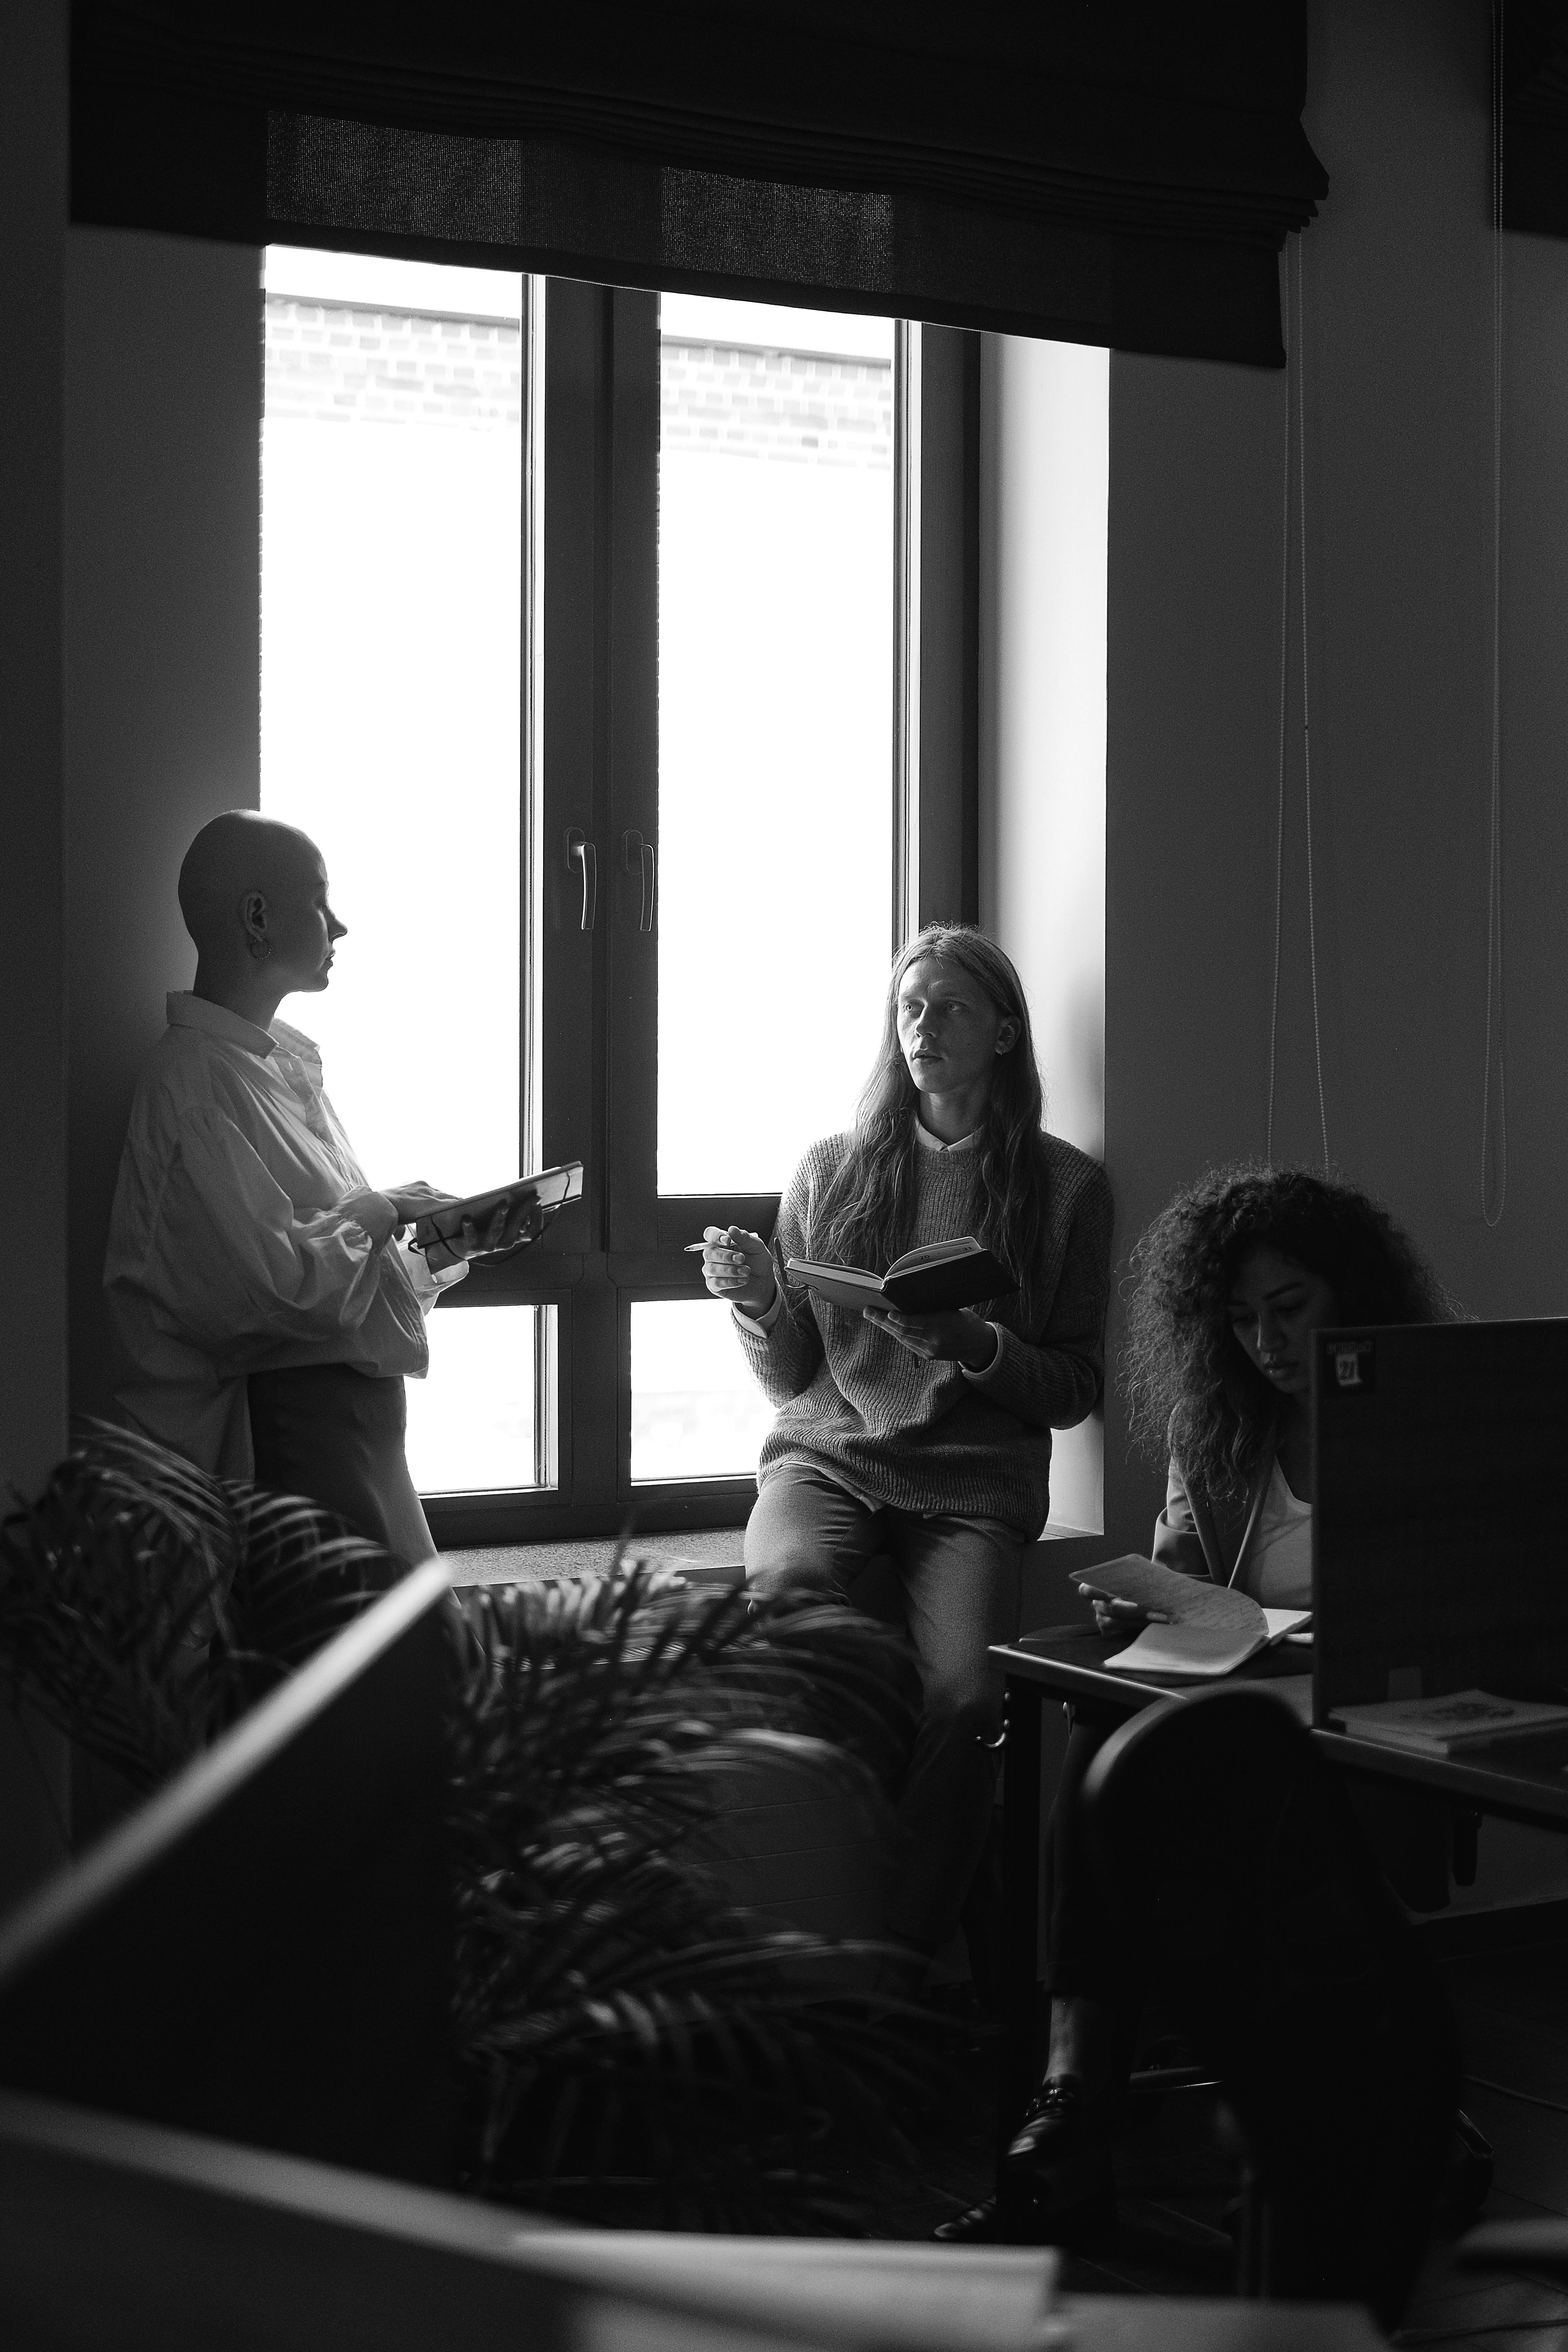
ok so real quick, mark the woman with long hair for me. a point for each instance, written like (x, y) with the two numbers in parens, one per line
(1229, 1284)
(927, 1438)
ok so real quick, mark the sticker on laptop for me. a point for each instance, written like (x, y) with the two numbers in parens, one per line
(1352, 1366)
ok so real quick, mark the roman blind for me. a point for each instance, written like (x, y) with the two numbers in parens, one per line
(1117, 172)
(1534, 118)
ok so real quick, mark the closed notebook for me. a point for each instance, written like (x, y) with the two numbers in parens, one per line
(934, 1280)
(1212, 1628)
(1451, 1724)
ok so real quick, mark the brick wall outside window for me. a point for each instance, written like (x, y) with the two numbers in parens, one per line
(333, 360)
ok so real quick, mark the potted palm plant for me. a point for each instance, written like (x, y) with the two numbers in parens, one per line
(632, 2043)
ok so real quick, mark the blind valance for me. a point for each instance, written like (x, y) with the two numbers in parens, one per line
(1534, 128)
(1117, 172)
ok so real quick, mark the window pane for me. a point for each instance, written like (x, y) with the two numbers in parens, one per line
(391, 603)
(775, 622)
(471, 1421)
(696, 1411)
(392, 580)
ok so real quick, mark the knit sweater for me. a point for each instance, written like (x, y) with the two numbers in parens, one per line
(893, 1428)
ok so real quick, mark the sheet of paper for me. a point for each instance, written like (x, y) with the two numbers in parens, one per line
(1210, 1628)
(1184, 1599)
(1286, 1625)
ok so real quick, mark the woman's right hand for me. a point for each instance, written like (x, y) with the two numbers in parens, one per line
(1124, 1617)
(738, 1267)
(418, 1199)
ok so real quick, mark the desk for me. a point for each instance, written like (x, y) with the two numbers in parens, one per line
(1067, 1663)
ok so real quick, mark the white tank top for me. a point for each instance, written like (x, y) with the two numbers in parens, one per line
(1278, 1569)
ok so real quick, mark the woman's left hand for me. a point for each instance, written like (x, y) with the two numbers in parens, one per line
(960, 1338)
(504, 1228)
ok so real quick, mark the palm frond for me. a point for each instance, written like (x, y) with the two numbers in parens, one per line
(632, 2039)
(633, 2043)
(144, 1606)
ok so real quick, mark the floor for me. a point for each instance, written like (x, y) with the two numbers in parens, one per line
(1174, 2179)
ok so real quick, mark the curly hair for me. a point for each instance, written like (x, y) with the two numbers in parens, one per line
(866, 1216)
(1188, 1384)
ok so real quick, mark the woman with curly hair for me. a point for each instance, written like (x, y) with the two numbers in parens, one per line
(1229, 1284)
(927, 1438)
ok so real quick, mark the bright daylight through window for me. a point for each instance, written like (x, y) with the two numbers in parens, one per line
(775, 713)
(775, 611)
(395, 607)
(392, 580)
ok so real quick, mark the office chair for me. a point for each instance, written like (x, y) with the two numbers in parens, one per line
(1230, 1856)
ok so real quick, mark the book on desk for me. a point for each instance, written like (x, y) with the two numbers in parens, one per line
(1458, 1723)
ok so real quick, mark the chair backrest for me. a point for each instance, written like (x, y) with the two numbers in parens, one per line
(1229, 1852)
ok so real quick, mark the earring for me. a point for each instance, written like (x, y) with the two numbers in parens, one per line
(260, 949)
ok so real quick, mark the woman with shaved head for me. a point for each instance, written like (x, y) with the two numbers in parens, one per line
(265, 1302)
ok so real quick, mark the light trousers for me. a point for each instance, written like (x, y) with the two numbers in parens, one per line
(959, 1581)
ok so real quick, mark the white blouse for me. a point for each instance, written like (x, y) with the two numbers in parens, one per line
(234, 1246)
(1278, 1571)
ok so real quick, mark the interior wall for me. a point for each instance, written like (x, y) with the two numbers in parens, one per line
(33, 1779)
(1397, 351)
(1397, 361)
(1044, 462)
(162, 473)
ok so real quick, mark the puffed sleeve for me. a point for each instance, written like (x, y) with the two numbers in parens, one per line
(232, 1266)
(428, 1283)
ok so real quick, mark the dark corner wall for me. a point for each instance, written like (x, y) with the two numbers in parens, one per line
(162, 498)
(130, 712)
(1397, 356)
(33, 1373)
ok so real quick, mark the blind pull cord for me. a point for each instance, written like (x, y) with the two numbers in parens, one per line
(1284, 681)
(1494, 1037)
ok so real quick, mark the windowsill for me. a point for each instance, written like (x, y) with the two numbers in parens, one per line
(704, 1556)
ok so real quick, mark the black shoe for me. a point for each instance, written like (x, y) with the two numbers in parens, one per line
(977, 2225)
(1064, 2125)
(1083, 2221)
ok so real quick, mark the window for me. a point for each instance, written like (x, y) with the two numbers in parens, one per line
(584, 626)
(775, 718)
(392, 731)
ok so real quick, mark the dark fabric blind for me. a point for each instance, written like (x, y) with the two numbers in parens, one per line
(1534, 39)
(1117, 172)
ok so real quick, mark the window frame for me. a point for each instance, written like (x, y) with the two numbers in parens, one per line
(591, 766)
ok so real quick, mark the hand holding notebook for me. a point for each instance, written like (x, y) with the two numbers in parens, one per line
(936, 1280)
(525, 1204)
(1204, 1629)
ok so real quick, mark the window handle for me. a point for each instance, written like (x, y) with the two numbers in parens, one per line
(580, 851)
(635, 852)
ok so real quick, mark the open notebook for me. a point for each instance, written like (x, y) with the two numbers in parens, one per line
(932, 1280)
(1212, 1628)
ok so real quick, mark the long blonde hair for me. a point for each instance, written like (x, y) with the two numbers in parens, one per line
(865, 1217)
